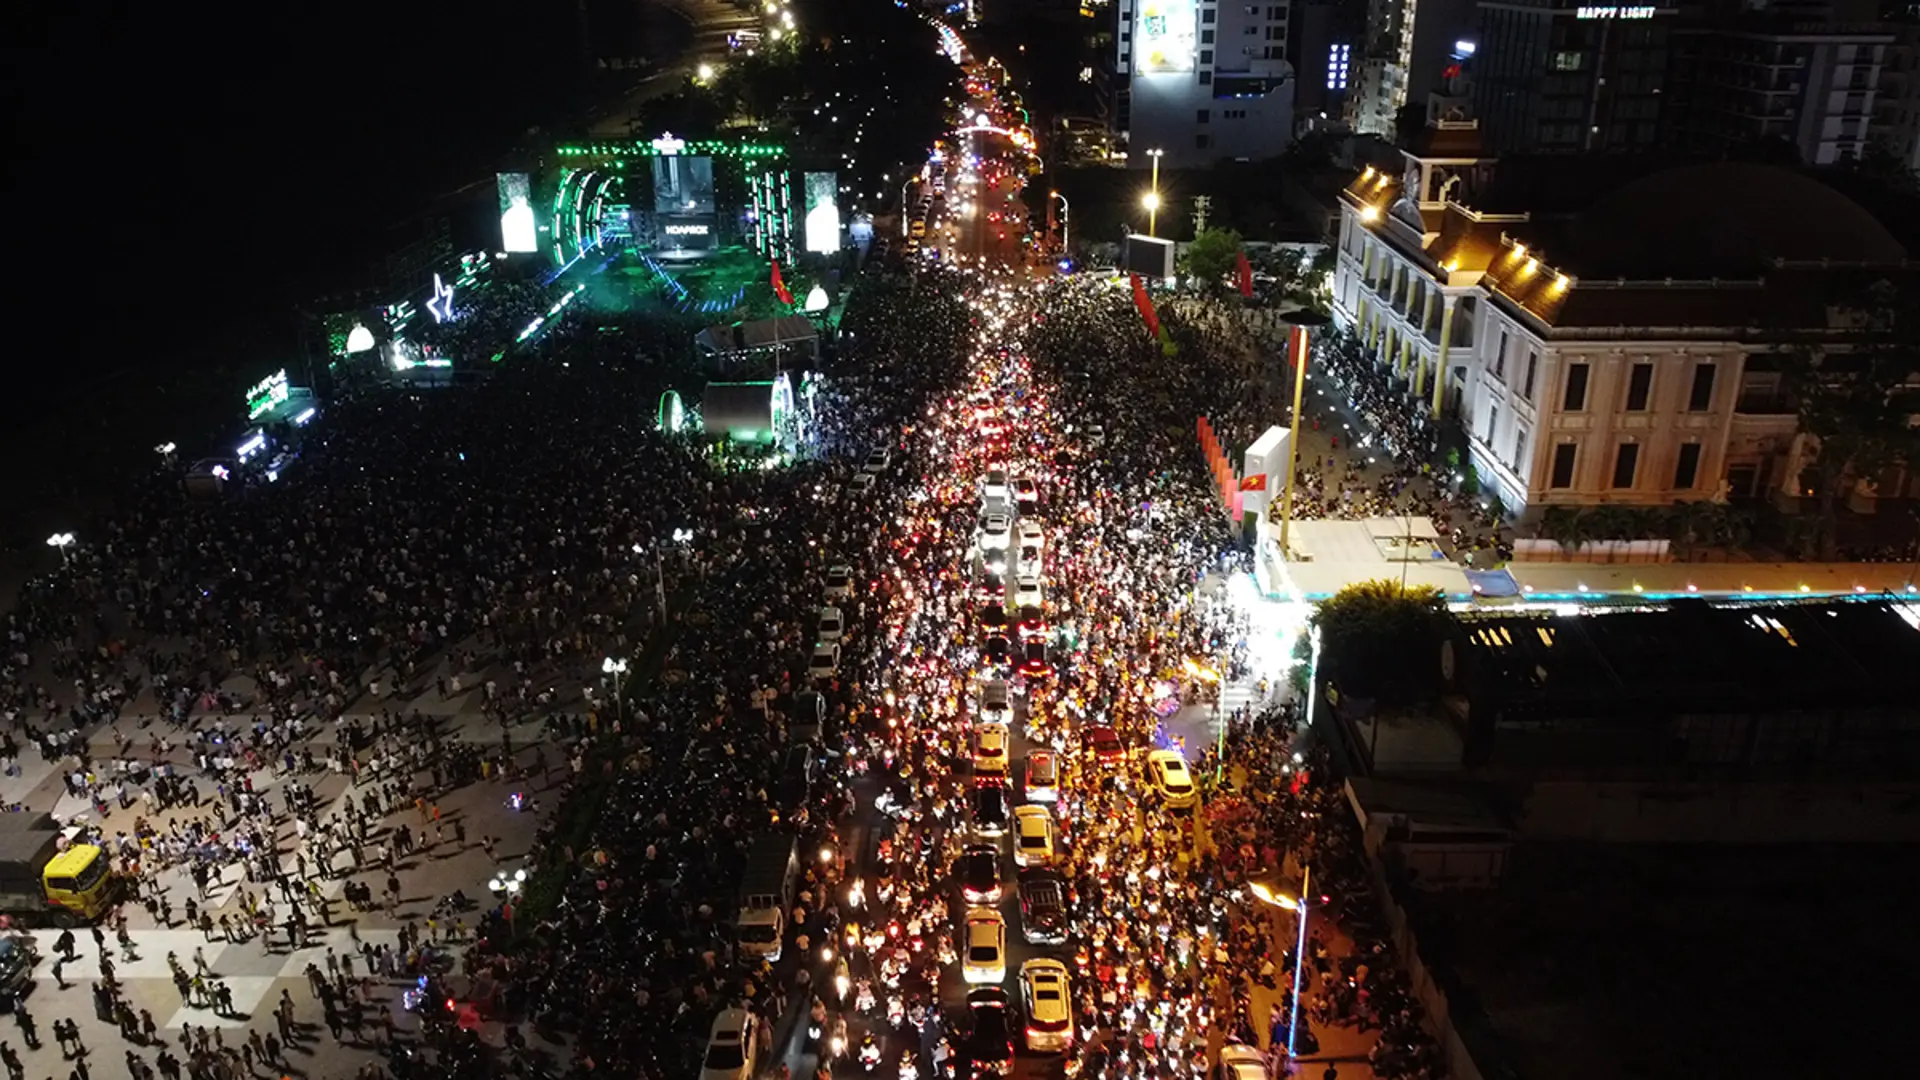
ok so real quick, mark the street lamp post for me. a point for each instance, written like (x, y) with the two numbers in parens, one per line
(63, 541)
(507, 890)
(1153, 194)
(616, 670)
(1301, 907)
(1066, 220)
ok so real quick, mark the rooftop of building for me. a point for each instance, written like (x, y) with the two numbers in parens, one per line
(1836, 654)
(1596, 962)
(1603, 241)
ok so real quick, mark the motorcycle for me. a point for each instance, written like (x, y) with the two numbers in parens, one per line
(869, 1053)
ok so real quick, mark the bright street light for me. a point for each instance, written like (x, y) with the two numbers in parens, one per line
(63, 541)
(705, 72)
(165, 448)
(1151, 200)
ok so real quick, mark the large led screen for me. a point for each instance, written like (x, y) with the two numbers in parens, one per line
(517, 232)
(1164, 36)
(823, 212)
(683, 233)
(682, 185)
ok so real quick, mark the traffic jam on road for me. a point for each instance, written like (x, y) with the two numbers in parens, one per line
(1022, 896)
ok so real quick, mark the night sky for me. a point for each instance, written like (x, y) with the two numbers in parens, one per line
(183, 175)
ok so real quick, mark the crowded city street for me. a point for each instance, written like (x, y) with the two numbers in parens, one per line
(509, 733)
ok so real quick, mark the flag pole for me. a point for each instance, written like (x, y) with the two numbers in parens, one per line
(1296, 354)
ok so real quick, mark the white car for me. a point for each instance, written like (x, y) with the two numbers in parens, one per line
(830, 626)
(1043, 777)
(1026, 591)
(990, 750)
(839, 582)
(995, 529)
(861, 483)
(1238, 1061)
(993, 487)
(1033, 833)
(1030, 535)
(825, 663)
(994, 706)
(986, 944)
(878, 460)
(730, 1049)
(1028, 561)
(1049, 1006)
(1168, 773)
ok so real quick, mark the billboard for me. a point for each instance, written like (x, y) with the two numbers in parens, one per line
(517, 232)
(682, 185)
(823, 212)
(685, 232)
(1164, 36)
(1149, 257)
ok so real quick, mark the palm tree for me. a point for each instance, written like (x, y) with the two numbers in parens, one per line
(1689, 525)
(1608, 523)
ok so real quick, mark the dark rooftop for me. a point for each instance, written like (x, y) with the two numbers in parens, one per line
(1696, 655)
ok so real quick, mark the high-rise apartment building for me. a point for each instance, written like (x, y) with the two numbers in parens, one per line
(1408, 44)
(1560, 76)
(1202, 80)
(1806, 74)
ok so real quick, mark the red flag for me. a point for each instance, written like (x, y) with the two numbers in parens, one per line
(779, 286)
(1145, 303)
(1256, 482)
(1246, 275)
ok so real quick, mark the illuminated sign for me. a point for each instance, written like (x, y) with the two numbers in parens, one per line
(667, 146)
(822, 221)
(1165, 35)
(517, 229)
(442, 303)
(687, 230)
(264, 395)
(1611, 12)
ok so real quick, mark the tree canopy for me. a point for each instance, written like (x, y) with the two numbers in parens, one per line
(1856, 404)
(1380, 641)
(1212, 255)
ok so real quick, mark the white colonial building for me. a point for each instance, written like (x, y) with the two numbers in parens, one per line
(1605, 332)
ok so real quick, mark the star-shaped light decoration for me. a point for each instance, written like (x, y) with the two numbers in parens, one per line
(442, 303)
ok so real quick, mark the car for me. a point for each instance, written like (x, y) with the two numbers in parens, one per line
(994, 706)
(1168, 773)
(839, 582)
(993, 619)
(1027, 560)
(993, 486)
(979, 873)
(1049, 1004)
(829, 626)
(878, 459)
(1043, 907)
(1026, 493)
(919, 229)
(825, 663)
(1033, 836)
(1033, 659)
(994, 560)
(1238, 1061)
(1043, 777)
(1027, 591)
(1031, 622)
(1030, 534)
(996, 652)
(986, 945)
(995, 529)
(730, 1047)
(990, 587)
(989, 1039)
(861, 483)
(989, 806)
(1103, 743)
(990, 750)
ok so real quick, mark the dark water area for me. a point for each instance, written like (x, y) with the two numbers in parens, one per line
(182, 177)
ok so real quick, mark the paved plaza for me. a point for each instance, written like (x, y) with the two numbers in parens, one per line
(259, 972)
